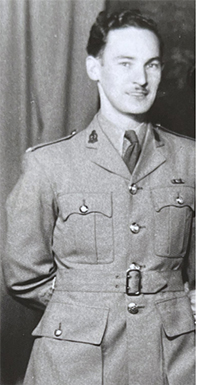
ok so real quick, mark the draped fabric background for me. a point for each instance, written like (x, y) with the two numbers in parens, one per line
(45, 93)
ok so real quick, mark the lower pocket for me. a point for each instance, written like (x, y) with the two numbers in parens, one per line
(64, 362)
(62, 321)
(178, 340)
(176, 316)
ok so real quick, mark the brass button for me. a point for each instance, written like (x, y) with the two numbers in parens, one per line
(58, 332)
(84, 209)
(133, 189)
(135, 228)
(134, 266)
(132, 308)
(180, 200)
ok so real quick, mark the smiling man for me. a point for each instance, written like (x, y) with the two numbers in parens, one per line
(128, 74)
(100, 230)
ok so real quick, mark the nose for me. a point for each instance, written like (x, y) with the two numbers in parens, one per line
(140, 76)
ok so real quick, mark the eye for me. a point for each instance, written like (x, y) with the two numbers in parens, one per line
(153, 65)
(125, 64)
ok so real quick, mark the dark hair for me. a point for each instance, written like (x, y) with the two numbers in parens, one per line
(107, 22)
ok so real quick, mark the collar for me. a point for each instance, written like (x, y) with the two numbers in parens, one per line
(115, 133)
(101, 152)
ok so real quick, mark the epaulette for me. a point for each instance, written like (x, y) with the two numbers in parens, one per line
(158, 125)
(30, 149)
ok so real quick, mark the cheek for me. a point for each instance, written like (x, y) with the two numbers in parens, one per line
(154, 78)
(115, 76)
(158, 79)
(113, 82)
(154, 83)
(108, 79)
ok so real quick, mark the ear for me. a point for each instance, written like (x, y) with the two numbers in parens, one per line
(93, 67)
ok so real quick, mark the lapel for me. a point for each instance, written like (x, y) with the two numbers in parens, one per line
(101, 152)
(152, 155)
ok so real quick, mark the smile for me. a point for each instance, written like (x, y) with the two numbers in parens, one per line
(138, 94)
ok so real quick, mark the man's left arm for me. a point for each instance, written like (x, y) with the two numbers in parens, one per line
(190, 271)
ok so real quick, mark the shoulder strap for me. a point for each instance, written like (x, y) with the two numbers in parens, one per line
(30, 149)
(157, 125)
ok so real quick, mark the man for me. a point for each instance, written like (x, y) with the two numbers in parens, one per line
(100, 230)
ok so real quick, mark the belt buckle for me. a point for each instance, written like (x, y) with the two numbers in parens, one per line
(135, 288)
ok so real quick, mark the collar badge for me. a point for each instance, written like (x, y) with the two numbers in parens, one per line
(93, 137)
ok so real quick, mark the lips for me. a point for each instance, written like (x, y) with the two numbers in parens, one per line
(138, 93)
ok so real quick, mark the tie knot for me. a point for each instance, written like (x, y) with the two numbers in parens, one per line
(131, 136)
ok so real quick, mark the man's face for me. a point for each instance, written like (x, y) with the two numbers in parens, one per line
(129, 70)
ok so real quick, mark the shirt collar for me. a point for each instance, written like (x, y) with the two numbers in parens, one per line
(116, 133)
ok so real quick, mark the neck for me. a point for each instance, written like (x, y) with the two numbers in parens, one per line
(119, 118)
(123, 120)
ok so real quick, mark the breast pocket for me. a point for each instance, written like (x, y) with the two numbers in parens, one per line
(85, 227)
(173, 213)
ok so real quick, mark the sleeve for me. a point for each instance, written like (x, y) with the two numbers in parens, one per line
(28, 265)
(190, 271)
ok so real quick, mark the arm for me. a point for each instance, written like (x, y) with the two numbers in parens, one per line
(189, 271)
(29, 267)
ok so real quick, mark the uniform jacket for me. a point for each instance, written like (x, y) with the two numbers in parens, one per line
(77, 223)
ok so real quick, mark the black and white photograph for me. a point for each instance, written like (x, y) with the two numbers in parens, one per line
(97, 153)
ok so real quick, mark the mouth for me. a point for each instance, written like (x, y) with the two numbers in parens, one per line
(138, 94)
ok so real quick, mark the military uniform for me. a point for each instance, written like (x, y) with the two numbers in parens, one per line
(108, 253)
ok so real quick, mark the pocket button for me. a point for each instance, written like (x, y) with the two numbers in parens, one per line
(58, 332)
(180, 200)
(84, 209)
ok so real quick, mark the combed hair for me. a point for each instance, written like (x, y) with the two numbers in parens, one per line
(107, 22)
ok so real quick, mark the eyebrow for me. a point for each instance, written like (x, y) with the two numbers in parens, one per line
(125, 57)
(157, 58)
(133, 58)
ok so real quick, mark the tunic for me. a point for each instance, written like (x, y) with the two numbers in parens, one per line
(105, 254)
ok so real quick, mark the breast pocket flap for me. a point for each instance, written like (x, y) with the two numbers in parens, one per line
(179, 196)
(176, 316)
(73, 323)
(85, 203)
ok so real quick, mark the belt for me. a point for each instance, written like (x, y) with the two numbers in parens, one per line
(131, 282)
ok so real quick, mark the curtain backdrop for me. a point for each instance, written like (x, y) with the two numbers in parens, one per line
(45, 94)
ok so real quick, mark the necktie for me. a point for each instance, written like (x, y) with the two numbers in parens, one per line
(133, 151)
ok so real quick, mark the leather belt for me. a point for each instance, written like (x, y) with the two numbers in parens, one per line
(147, 282)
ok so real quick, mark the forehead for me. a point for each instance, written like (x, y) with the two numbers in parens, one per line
(132, 41)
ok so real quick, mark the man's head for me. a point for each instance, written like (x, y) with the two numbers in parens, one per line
(124, 58)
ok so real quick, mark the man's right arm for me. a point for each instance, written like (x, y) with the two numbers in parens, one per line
(28, 265)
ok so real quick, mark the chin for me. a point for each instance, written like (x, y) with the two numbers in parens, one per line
(140, 110)
(137, 111)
